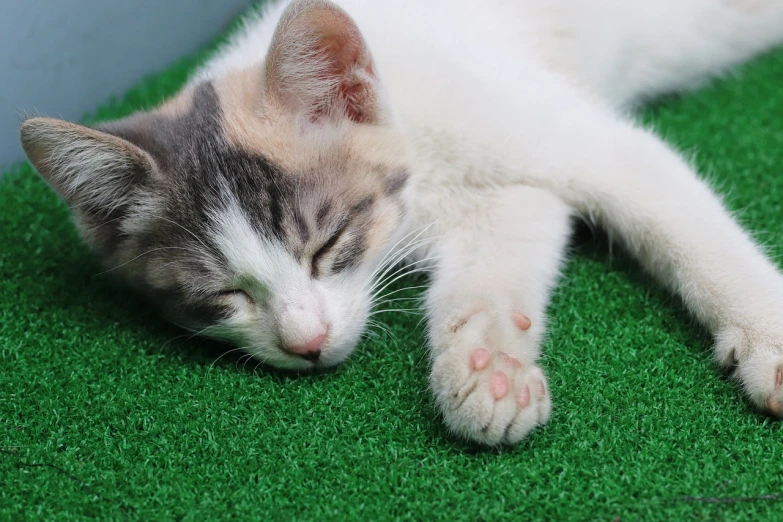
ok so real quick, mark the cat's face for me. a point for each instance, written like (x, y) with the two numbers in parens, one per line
(253, 208)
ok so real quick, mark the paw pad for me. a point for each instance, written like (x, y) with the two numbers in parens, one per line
(479, 359)
(512, 362)
(498, 383)
(523, 397)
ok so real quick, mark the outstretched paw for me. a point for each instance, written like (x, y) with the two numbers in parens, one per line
(487, 385)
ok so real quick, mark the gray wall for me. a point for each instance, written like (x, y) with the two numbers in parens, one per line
(63, 57)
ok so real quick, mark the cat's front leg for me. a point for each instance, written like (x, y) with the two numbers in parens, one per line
(498, 260)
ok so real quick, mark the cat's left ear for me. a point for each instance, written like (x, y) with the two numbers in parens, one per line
(319, 65)
(96, 173)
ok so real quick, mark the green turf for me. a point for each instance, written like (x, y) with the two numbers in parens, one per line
(107, 412)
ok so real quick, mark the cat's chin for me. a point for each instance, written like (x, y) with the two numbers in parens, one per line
(293, 363)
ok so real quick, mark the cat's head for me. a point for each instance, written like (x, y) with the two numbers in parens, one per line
(252, 208)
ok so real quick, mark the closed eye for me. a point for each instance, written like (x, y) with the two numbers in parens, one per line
(236, 292)
(326, 247)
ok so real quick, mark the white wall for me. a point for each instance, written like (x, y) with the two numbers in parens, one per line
(63, 57)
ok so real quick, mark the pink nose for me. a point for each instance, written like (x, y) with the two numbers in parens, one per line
(311, 350)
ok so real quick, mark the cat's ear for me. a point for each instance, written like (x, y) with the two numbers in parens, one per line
(319, 64)
(97, 174)
(91, 170)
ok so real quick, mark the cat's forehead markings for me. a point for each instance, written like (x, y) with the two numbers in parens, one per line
(301, 226)
(323, 213)
(169, 133)
(202, 170)
(205, 166)
(246, 121)
(362, 206)
(395, 182)
(255, 122)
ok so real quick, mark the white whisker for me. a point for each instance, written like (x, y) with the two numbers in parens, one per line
(413, 311)
(418, 287)
(398, 299)
(404, 274)
(394, 255)
(138, 256)
(393, 248)
(382, 328)
(384, 279)
(226, 353)
(401, 254)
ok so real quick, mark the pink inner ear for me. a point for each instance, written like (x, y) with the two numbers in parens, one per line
(341, 45)
(346, 73)
(339, 41)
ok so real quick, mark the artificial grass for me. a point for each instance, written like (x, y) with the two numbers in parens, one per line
(108, 412)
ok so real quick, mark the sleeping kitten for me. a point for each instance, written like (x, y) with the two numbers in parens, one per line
(326, 143)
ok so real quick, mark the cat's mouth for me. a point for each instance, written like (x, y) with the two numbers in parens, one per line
(301, 365)
(299, 362)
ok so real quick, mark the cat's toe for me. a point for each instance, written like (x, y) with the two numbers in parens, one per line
(534, 405)
(492, 397)
(524, 406)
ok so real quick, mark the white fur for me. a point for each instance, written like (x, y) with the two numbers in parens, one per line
(286, 306)
(515, 114)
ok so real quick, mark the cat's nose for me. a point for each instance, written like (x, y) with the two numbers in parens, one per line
(311, 350)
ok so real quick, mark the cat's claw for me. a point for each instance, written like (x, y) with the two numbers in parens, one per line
(486, 394)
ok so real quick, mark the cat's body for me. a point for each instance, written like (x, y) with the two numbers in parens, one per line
(472, 133)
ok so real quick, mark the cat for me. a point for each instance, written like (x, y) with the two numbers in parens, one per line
(328, 141)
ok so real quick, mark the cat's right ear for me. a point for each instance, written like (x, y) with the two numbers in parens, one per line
(94, 172)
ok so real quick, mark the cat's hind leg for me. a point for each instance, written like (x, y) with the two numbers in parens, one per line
(498, 259)
(644, 193)
(630, 52)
